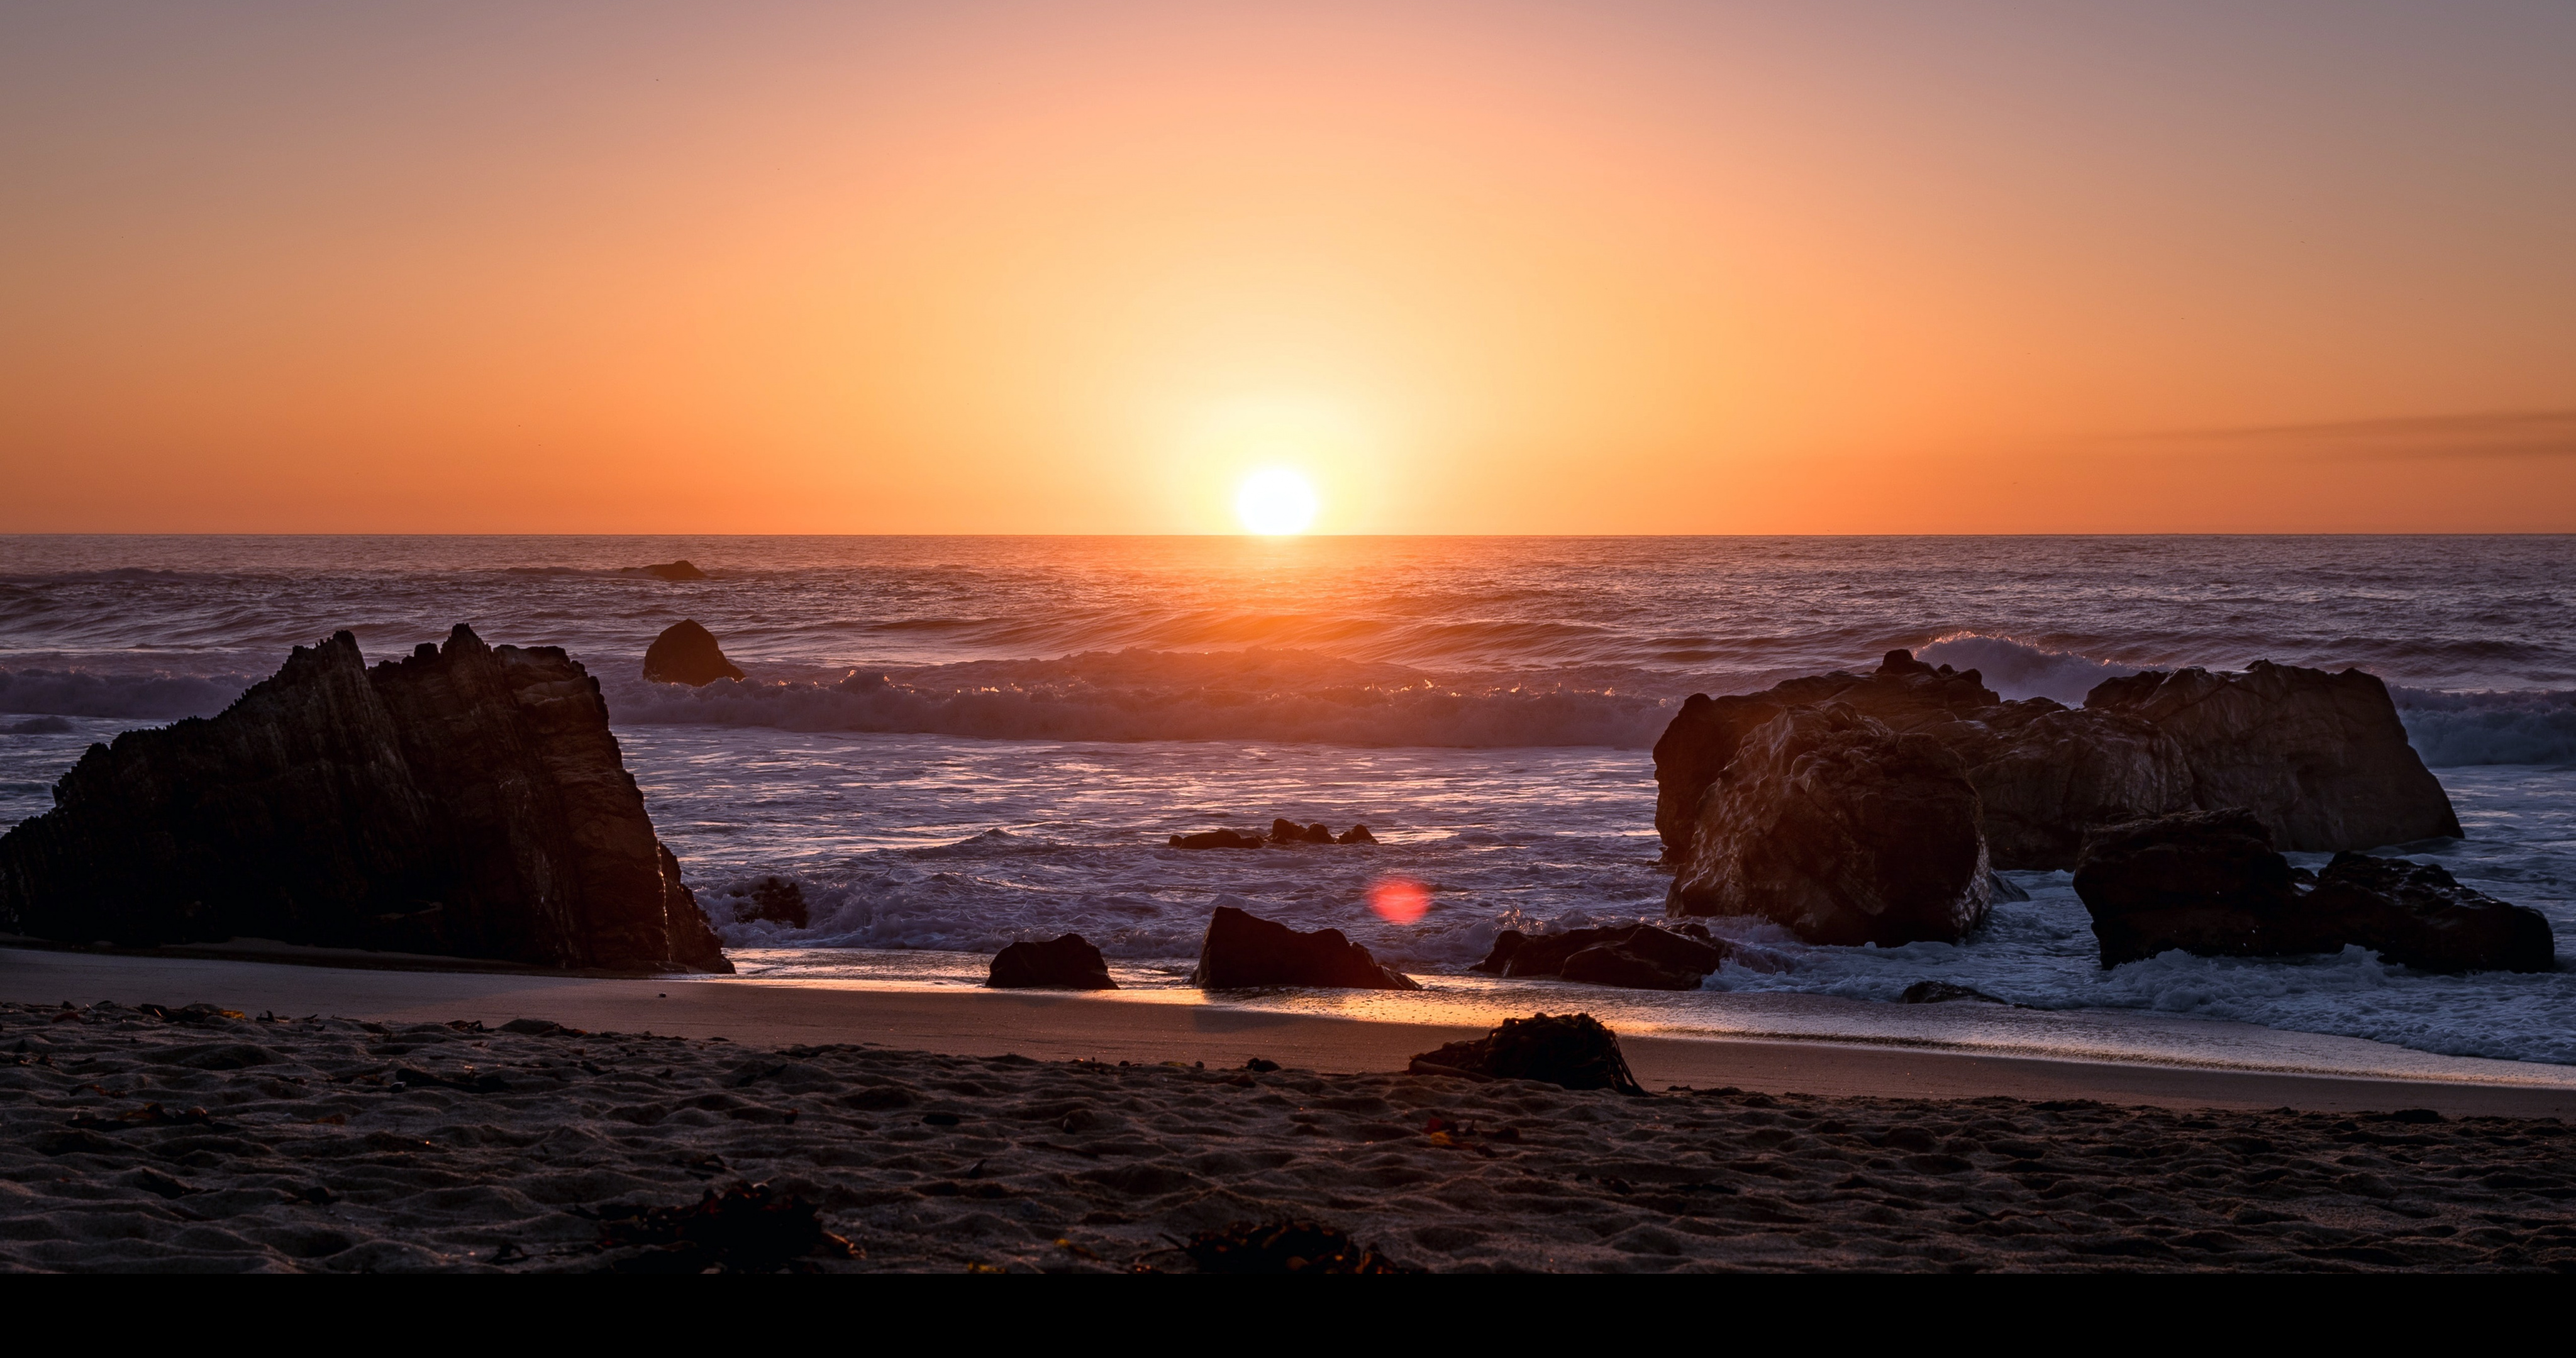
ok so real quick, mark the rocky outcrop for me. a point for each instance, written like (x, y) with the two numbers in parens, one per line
(1242, 951)
(778, 900)
(686, 653)
(1573, 1051)
(2210, 883)
(2320, 756)
(1634, 956)
(468, 801)
(1068, 963)
(669, 570)
(1282, 832)
(1827, 822)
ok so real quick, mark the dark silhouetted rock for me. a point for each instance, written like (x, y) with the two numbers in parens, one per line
(1285, 831)
(1217, 839)
(1944, 992)
(780, 900)
(1636, 956)
(2207, 882)
(1357, 834)
(467, 802)
(2321, 756)
(1845, 832)
(1068, 963)
(670, 570)
(2413, 914)
(686, 653)
(1242, 951)
(1571, 1050)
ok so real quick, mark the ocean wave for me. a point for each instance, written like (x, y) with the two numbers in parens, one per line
(2020, 669)
(77, 693)
(1132, 695)
(2536, 727)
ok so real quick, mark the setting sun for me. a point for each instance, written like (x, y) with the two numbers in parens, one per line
(1275, 501)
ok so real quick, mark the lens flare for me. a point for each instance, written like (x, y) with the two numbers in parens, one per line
(1399, 900)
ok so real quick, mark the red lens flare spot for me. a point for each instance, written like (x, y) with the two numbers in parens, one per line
(1399, 900)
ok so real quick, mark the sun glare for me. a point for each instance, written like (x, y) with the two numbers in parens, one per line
(1274, 502)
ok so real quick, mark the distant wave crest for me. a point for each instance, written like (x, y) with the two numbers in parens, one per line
(75, 693)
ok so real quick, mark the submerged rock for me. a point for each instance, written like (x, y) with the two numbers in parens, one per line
(1357, 834)
(467, 801)
(1243, 950)
(1068, 963)
(670, 570)
(2321, 757)
(2210, 884)
(1634, 956)
(1944, 992)
(1845, 832)
(779, 900)
(1217, 839)
(686, 653)
(1570, 1050)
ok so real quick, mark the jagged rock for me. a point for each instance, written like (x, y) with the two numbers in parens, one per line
(1571, 1050)
(2321, 756)
(2210, 884)
(1217, 839)
(1357, 834)
(780, 900)
(2207, 882)
(2413, 914)
(1285, 831)
(1636, 956)
(1845, 832)
(1068, 963)
(467, 802)
(1242, 951)
(686, 653)
(670, 570)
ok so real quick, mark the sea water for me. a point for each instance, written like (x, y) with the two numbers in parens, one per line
(953, 743)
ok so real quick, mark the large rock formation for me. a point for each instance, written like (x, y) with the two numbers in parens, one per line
(467, 802)
(686, 653)
(1844, 831)
(2321, 757)
(2210, 883)
(1068, 963)
(1242, 951)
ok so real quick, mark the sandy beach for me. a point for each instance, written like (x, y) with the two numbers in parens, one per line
(957, 1131)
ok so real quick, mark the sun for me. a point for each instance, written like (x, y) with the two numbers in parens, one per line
(1275, 502)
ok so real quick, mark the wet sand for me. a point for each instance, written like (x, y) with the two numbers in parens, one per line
(131, 1140)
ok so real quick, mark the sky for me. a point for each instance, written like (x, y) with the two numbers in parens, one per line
(1501, 267)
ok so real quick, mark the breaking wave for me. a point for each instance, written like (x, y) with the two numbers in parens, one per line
(76, 693)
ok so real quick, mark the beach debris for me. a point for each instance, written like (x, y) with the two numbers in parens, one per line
(1067, 963)
(1944, 992)
(191, 1013)
(1285, 1247)
(2209, 883)
(743, 1228)
(466, 801)
(687, 653)
(1634, 956)
(668, 570)
(1844, 831)
(1574, 1051)
(537, 1027)
(1243, 950)
(2322, 758)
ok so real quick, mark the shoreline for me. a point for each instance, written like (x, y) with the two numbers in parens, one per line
(1311, 1033)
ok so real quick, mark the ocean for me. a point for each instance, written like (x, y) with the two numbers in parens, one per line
(952, 743)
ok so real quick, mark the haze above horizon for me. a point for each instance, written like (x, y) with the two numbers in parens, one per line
(1096, 268)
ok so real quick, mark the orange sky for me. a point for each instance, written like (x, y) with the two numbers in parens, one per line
(1473, 268)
